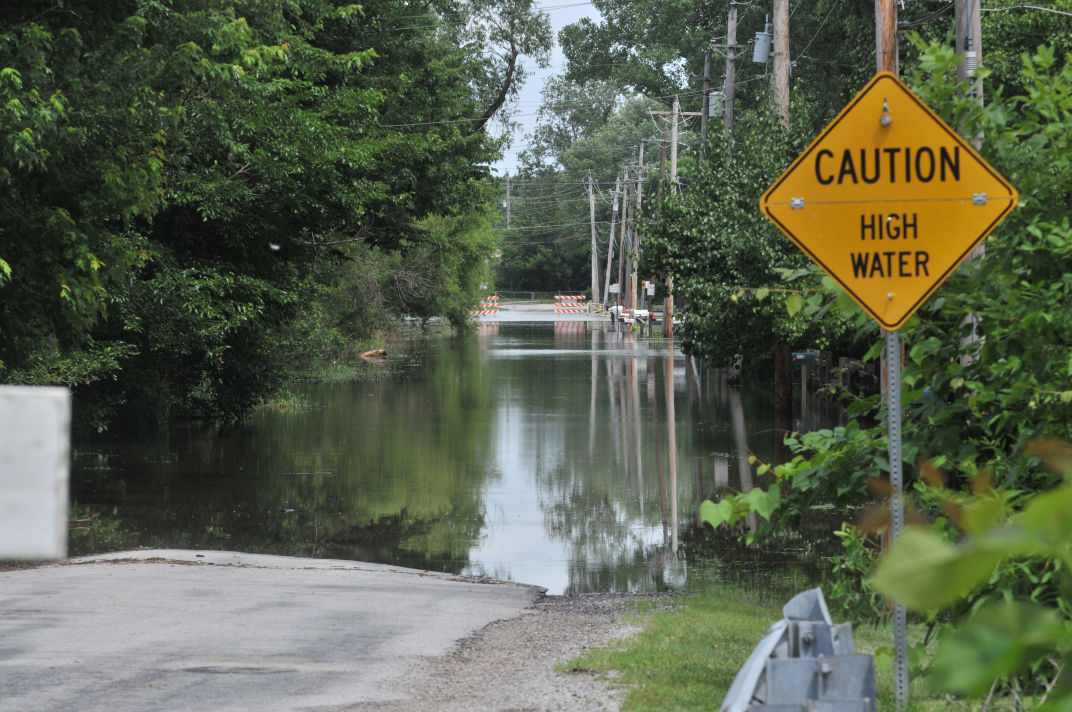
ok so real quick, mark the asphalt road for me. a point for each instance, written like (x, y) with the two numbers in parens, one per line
(185, 630)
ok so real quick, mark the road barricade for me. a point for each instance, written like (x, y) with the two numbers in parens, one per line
(489, 307)
(565, 304)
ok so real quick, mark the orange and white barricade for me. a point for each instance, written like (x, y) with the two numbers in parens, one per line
(489, 307)
(566, 304)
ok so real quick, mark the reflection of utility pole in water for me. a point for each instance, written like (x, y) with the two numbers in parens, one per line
(654, 400)
(722, 463)
(693, 381)
(722, 472)
(614, 411)
(623, 418)
(593, 383)
(671, 432)
(740, 435)
(638, 439)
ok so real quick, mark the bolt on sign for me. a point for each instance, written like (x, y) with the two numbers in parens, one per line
(888, 200)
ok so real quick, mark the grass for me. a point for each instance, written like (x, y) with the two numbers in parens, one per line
(685, 657)
(287, 400)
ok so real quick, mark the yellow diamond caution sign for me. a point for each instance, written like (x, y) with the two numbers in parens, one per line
(888, 200)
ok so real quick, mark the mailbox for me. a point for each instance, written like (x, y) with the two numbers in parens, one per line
(805, 358)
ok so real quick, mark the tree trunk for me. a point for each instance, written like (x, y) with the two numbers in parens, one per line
(504, 92)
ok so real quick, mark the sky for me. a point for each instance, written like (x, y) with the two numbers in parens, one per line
(561, 13)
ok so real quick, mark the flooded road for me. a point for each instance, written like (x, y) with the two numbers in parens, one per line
(564, 454)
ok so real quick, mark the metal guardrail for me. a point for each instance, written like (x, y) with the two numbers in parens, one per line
(804, 663)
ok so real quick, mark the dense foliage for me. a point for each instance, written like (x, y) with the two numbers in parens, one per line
(198, 195)
(979, 413)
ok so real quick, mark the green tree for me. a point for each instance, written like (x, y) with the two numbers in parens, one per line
(191, 173)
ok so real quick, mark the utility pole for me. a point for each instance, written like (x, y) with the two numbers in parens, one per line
(705, 109)
(731, 76)
(969, 33)
(621, 238)
(675, 115)
(969, 39)
(662, 157)
(640, 178)
(635, 232)
(783, 372)
(886, 36)
(781, 60)
(595, 253)
(610, 242)
(673, 145)
(668, 309)
(507, 203)
(630, 239)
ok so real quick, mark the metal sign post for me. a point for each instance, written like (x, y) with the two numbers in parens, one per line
(893, 416)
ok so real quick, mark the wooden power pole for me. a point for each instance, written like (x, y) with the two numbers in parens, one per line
(595, 251)
(508, 200)
(886, 36)
(624, 217)
(640, 177)
(781, 60)
(673, 145)
(705, 108)
(783, 372)
(610, 242)
(731, 73)
(635, 231)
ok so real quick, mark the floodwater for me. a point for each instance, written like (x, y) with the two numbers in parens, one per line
(564, 454)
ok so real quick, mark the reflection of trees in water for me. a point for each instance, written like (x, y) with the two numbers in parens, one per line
(389, 470)
(609, 507)
(609, 543)
(596, 519)
(439, 544)
(645, 568)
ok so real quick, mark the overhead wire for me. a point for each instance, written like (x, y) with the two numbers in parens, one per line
(833, 6)
(1026, 6)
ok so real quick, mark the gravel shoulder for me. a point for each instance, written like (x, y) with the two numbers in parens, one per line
(509, 666)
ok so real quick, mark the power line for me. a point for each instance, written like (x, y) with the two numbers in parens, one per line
(552, 241)
(1025, 6)
(541, 227)
(434, 123)
(833, 7)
